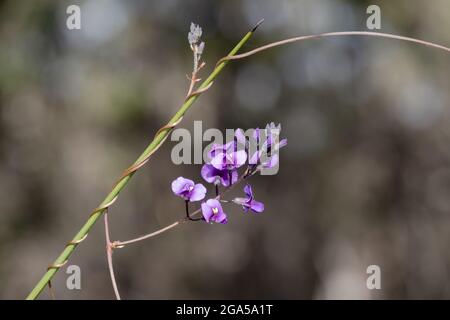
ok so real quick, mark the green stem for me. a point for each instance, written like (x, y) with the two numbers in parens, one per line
(65, 254)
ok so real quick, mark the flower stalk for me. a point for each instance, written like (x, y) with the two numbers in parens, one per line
(109, 253)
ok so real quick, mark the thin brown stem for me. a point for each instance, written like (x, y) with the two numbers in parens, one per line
(121, 244)
(109, 252)
(52, 292)
(334, 34)
(193, 79)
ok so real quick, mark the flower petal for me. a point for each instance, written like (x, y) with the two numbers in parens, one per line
(213, 203)
(198, 193)
(254, 159)
(207, 212)
(248, 191)
(208, 173)
(221, 218)
(239, 158)
(257, 206)
(219, 161)
(179, 185)
(271, 162)
(240, 136)
(256, 134)
(282, 143)
(225, 177)
(215, 148)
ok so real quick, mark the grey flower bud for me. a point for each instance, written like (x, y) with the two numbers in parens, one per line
(195, 34)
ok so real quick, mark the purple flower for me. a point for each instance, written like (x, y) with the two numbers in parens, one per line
(189, 191)
(268, 146)
(227, 156)
(216, 176)
(219, 148)
(231, 155)
(249, 203)
(229, 160)
(212, 212)
(225, 159)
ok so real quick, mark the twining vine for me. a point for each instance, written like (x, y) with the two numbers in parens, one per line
(211, 207)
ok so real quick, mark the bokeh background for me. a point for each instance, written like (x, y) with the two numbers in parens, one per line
(364, 180)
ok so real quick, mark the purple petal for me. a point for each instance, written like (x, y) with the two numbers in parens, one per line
(213, 203)
(219, 161)
(269, 141)
(271, 162)
(226, 177)
(229, 146)
(207, 212)
(240, 137)
(255, 158)
(208, 173)
(256, 134)
(215, 148)
(248, 191)
(198, 193)
(181, 185)
(221, 218)
(239, 158)
(257, 206)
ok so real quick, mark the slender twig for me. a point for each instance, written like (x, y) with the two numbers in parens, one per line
(157, 141)
(121, 244)
(186, 202)
(189, 216)
(109, 252)
(52, 292)
(333, 34)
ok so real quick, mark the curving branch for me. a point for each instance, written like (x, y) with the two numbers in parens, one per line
(332, 34)
(109, 252)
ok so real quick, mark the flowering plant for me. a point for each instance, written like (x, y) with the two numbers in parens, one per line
(225, 160)
(222, 170)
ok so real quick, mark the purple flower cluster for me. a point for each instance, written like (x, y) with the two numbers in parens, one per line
(222, 169)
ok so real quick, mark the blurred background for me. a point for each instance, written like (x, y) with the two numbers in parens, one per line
(365, 179)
